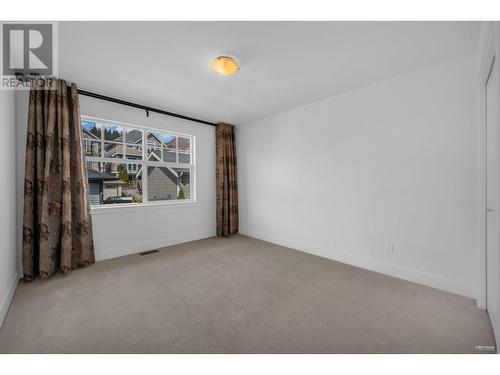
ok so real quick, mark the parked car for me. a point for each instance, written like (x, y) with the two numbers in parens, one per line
(118, 199)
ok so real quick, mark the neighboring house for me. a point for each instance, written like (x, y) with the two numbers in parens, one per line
(91, 148)
(165, 183)
(184, 146)
(103, 185)
(133, 151)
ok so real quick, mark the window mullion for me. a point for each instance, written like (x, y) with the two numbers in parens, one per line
(145, 186)
(102, 139)
(162, 148)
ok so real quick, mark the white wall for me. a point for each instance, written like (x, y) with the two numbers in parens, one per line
(8, 255)
(124, 230)
(393, 162)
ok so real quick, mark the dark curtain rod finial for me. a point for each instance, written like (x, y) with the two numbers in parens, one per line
(21, 77)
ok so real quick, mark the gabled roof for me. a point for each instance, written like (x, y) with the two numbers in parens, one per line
(134, 137)
(100, 176)
(89, 134)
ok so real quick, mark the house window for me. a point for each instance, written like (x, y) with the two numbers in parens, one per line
(132, 165)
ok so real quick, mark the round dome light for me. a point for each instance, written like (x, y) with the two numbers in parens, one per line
(225, 66)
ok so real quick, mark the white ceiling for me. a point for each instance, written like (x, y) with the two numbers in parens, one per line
(283, 64)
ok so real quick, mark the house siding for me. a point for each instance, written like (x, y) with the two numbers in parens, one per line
(163, 184)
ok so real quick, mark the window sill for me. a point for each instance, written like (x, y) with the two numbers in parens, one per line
(119, 208)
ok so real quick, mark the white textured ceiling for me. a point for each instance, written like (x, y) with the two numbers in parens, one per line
(283, 64)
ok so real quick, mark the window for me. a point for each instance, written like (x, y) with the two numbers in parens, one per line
(132, 165)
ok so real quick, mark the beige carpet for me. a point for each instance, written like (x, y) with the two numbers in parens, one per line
(237, 295)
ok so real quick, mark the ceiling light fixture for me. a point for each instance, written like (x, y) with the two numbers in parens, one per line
(225, 66)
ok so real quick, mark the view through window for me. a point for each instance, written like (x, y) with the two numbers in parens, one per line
(128, 164)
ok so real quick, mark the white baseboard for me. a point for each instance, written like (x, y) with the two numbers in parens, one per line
(409, 274)
(102, 253)
(4, 307)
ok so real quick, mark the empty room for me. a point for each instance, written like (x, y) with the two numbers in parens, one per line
(250, 187)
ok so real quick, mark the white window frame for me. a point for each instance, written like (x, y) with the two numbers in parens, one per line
(144, 162)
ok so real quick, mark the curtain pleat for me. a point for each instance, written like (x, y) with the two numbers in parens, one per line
(226, 180)
(57, 227)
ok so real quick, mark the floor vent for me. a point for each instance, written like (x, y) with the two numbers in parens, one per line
(149, 252)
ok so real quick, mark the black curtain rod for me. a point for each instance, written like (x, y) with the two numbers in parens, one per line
(22, 77)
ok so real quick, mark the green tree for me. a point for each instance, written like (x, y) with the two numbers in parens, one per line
(181, 194)
(123, 174)
(95, 131)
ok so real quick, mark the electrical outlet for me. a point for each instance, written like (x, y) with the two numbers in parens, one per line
(389, 248)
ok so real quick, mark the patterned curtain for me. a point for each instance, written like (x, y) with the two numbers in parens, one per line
(57, 228)
(226, 180)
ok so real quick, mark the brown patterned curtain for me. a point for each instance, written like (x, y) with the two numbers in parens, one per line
(57, 228)
(226, 180)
